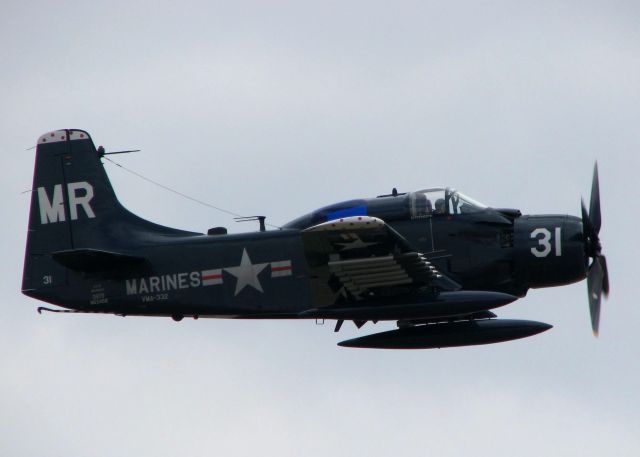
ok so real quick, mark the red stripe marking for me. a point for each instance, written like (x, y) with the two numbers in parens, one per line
(211, 277)
(280, 268)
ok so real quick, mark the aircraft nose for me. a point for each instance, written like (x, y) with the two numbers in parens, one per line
(550, 250)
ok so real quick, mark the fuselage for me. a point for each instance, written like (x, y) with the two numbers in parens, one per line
(267, 274)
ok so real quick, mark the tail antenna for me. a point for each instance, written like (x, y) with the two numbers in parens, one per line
(102, 152)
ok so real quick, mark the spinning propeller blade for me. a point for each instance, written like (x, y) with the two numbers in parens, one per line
(595, 278)
(597, 273)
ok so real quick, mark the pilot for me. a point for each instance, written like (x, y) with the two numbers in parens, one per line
(429, 207)
(440, 208)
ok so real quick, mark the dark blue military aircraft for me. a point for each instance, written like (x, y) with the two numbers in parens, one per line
(434, 260)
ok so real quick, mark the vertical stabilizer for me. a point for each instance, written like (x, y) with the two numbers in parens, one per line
(73, 206)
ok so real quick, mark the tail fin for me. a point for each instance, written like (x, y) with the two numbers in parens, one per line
(74, 208)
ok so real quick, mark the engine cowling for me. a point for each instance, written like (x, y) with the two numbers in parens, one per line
(549, 250)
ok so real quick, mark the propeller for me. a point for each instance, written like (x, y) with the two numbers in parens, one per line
(597, 273)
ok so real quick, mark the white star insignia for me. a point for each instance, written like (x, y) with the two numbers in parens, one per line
(247, 273)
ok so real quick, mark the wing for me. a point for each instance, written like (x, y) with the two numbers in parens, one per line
(361, 257)
(362, 270)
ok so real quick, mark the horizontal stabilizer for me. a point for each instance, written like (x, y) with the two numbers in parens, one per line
(96, 261)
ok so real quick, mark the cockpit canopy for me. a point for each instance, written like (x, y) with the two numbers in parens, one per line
(413, 205)
(439, 200)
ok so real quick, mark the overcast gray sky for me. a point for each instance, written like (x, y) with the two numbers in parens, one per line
(277, 108)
